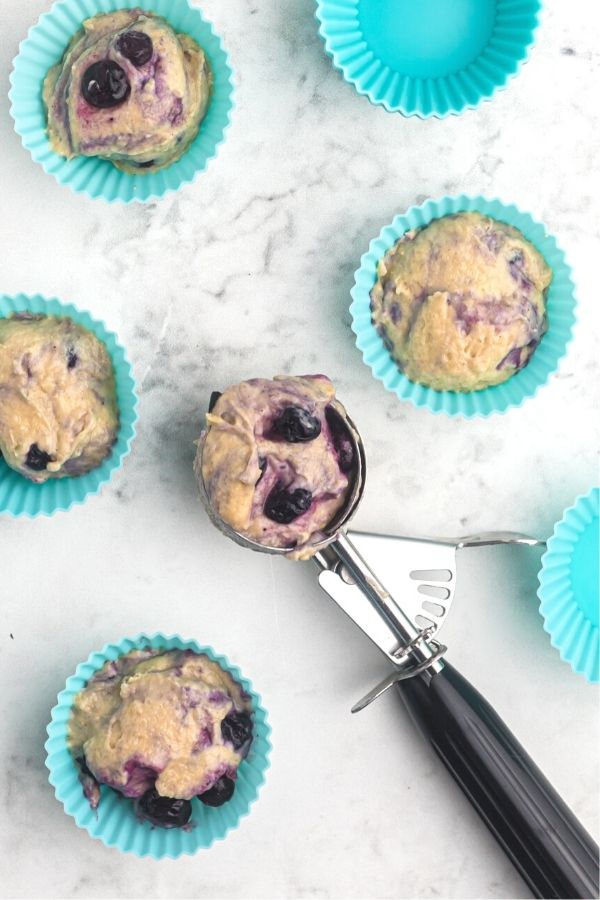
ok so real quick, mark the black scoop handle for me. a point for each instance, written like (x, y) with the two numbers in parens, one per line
(541, 836)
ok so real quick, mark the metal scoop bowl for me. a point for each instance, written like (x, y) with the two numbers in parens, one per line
(337, 524)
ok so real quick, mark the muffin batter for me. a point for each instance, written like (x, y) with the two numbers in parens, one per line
(277, 460)
(158, 724)
(58, 407)
(128, 89)
(460, 303)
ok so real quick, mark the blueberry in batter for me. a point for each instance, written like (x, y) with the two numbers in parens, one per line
(58, 405)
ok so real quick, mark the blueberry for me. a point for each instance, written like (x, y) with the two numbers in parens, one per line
(236, 728)
(387, 341)
(492, 240)
(515, 267)
(166, 812)
(105, 84)
(146, 165)
(81, 762)
(219, 793)
(517, 258)
(262, 465)
(518, 356)
(72, 358)
(395, 313)
(175, 112)
(213, 399)
(512, 358)
(295, 424)
(27, 317)
(284, 506)
(136, 47)
(342, 441)
(91, 788)
(140, 778)
(37, 459)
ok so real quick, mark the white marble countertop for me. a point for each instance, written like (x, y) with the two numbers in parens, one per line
(248, 272)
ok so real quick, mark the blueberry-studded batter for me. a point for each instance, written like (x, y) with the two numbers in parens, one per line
(161, 727)
(58, 406)
(277, 461)
(128, 89)
(460, 303)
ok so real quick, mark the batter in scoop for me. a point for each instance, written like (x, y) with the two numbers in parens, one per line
(58, 407)
(460, 303)
(277, 460)
(128, 89)
(161, 727)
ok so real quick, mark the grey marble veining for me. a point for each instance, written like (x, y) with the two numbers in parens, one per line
(248, 272)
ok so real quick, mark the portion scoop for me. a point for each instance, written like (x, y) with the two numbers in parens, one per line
(280, 465)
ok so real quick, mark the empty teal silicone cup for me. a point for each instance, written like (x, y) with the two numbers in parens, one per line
(114, 822)
(428, 57)
(45, 45)
(569, 590)
(20, 497)
(560, 304)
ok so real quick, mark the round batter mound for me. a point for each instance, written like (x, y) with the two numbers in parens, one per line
(161, 727)
(58, 407)
(277, 460)
(128, 89)
(460, 303)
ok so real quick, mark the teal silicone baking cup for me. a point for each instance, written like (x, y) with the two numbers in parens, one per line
(560, 305)
(569, 589)
(431, 57)
(20, 497)
(45, 45)
(114, 822)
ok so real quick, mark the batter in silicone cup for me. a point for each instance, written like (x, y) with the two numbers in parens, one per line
(460, 303)
(161, 727)
(58, 405)
(128, 89)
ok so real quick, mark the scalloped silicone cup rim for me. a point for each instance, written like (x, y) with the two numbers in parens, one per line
(496, 399)
(150, 186)
(547, 594)
(92, 482)
(507, 75)
(57, 730)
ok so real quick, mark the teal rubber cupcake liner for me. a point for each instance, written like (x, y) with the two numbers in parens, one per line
(569, 589)
(114, 822)
(44, 47)
(20, 497)
(560, 305)
(431, 57)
